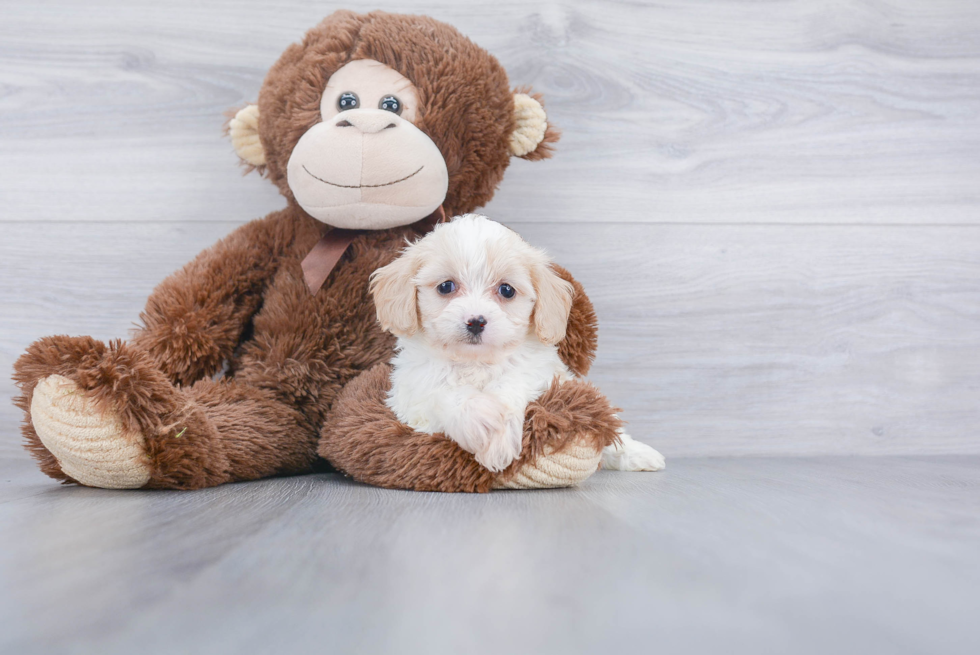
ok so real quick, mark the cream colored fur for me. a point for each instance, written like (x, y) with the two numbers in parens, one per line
(91, 446)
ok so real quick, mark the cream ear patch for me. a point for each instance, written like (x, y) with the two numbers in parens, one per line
(531, 125)
(244, 132)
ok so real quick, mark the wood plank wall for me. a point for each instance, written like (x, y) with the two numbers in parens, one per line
(774, 205)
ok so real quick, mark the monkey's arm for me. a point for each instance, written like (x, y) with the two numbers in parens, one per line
(195, 318)
(565, 432)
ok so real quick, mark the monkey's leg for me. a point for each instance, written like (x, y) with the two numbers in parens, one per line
(105, 416)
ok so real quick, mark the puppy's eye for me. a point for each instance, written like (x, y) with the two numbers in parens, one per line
(347, 101)
(506, 290)
(446, 287)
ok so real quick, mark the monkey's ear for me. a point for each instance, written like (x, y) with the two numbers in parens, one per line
(243, 129)
(532, 136)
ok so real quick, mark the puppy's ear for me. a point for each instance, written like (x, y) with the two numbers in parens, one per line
(553, 304)
(395, 295)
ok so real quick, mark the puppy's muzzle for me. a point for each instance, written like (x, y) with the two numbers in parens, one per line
(475, 325)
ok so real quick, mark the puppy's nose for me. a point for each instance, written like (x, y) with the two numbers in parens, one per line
(475, 325)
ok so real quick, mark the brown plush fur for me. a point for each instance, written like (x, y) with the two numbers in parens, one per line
(466, 100)
(363, 438)
(244, 304)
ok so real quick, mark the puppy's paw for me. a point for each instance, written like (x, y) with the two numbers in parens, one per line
(632, 455)
(481, 417)
(503, 446)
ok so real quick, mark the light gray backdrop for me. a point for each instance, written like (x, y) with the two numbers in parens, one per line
(774, 206)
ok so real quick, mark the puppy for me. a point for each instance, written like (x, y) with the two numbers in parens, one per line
(479, 314)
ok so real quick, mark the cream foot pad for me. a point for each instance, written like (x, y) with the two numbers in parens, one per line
(571, 465)
(91, 446)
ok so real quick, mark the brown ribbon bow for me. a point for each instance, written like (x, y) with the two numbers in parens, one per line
(331, 247)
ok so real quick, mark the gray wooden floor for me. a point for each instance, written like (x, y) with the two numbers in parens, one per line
(716, 555)
(775, 207)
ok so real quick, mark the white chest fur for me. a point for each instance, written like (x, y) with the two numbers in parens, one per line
(474, 374)
(426, 386)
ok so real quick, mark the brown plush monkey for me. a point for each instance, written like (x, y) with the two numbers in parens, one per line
(372, 127)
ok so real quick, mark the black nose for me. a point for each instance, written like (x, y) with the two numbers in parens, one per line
(475, 325)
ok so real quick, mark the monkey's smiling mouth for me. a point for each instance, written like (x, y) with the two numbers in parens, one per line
(360, 186)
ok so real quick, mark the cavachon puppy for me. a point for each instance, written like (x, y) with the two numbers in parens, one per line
(479, 314)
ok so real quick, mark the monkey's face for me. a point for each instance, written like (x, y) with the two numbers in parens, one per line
(375, 120)
(366, 165)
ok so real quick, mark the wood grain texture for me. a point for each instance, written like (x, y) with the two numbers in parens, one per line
(713, 339)
(773, 205)
(710, 112)
(736, 555)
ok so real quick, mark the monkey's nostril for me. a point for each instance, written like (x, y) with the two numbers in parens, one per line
(343, 124)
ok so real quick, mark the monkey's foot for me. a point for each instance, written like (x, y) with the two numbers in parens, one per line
(90, 444)
(564, 468)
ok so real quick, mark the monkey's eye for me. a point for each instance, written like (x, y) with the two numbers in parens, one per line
(506, 290)
(446, 287)
(347, 101)
(390, 103)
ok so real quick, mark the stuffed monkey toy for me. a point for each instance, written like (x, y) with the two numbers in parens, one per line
(373, 128)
